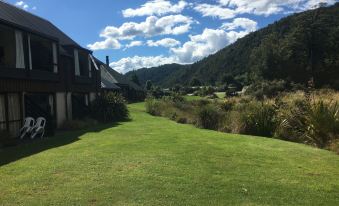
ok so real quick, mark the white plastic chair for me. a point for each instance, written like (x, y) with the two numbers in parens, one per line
(28, 125)
(39, 128)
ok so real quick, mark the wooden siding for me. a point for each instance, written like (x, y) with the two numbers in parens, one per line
(26, 80)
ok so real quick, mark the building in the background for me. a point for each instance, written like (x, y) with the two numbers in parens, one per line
(113, 81)
(43, 72)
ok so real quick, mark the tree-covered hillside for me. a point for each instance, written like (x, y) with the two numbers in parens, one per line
(296, 48)
(163, 75)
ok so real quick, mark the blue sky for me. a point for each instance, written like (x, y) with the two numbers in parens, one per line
(141, 33)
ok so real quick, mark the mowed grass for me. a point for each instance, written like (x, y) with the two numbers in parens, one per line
(220, 95)
(154, 161)
(192, 98)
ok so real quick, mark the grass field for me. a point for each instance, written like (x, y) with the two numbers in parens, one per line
(220, 95)
(153, 161)
(191, 98)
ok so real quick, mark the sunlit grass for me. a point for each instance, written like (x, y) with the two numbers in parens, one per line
(154, 161)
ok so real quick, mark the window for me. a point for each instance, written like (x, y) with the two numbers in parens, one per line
(80, 103)
(7, 48)
(83, 64)
(14, 113)
(12, 118)
(43, 54)
(89, 66)
(2, 112)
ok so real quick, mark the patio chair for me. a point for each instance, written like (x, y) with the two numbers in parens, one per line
(26, 129)
(39, 128)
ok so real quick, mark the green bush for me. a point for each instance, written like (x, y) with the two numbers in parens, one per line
(109, 107)
(227, 105)
(205, 91)
(334, 145)
(259, 119)
(153, 106)
(268, 89)
(200, 102)
(289, 116)
(208, 117)
(315, 123)
(174, 97)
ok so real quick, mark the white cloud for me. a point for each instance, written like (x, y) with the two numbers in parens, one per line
(108, 43)
(207, 43)
(152, 26)
(132, 63)
(227, 9)
(215, 11)
(311, 4)
(199, 46)
(134, 44)
(155, 7)
(260, 7)
(22, 5)
(167, 42)
(243, 23)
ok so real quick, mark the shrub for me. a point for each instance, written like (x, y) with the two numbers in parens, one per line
(227, 105)
(153, 106)
(200, 102)
(205, 91)
(181, 120)
(109, 107)
(334, 145)
(323, 122)
(208, 117)
(232, 123)
(156, 92)
(78, 124)
(258, 119)
(174, 97)
(315, 123)
(268, 89)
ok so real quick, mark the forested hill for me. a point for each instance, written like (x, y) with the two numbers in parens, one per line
(296, 48)
(161, 75)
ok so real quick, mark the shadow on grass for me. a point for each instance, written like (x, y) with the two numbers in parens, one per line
(32, 147)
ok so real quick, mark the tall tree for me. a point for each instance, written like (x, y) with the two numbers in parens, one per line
(195, 82)
(149, 85)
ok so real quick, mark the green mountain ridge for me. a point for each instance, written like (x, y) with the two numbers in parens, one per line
(296, 48)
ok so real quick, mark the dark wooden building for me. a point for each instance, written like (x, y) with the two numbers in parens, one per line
(112, 80)
(43, 72)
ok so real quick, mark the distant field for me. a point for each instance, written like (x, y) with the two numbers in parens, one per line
(221, 95)
(154, 161)
(191, 98)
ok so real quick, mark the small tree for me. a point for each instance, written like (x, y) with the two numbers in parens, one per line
(109, 107)
(149, 85)
(195, 82)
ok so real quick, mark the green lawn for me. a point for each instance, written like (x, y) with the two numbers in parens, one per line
(154, 161)
(220, 95)
(191, 98)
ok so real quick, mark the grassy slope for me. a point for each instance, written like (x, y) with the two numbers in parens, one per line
(153, 161)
